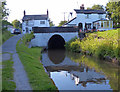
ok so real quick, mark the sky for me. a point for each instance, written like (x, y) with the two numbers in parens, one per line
(56, 8)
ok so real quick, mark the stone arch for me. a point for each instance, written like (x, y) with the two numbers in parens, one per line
(56, 41)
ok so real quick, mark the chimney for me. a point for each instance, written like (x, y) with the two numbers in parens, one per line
(82, 7)
(24, 13)
(47, 13)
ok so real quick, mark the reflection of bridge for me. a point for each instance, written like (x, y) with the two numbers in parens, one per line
(47, 36)
(78, 72)
(65, 61)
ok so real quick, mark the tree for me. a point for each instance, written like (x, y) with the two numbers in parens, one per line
(16, 23)
(61, 23)
(96, 7)
(113, 12)
(51, 23)
(4, 10)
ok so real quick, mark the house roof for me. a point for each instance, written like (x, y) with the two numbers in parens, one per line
(35, 17)
(90, 11)
(101, 20)
(70, 21)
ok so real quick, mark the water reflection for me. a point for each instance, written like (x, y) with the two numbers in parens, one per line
(71, 71)
(56, 58)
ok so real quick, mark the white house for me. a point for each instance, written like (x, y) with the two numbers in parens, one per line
(30, 21)
(89, 19)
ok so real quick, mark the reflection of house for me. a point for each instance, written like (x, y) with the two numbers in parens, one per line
(84, 77)
(30, 21)
(88, 19)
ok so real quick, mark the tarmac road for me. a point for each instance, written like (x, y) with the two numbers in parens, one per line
(20, 76)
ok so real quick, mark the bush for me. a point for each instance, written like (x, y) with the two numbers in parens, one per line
(75, 46)
(100, 44)
(67, 44)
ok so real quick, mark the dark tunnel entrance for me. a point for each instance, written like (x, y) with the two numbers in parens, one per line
(56, 42)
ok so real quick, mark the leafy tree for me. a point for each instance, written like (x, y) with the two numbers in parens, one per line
(61, 23)
(51, 23)
(16, 23)
(113, 9)
(96, 7)
(4, 10)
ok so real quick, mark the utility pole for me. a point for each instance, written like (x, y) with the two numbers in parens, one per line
(64, 15)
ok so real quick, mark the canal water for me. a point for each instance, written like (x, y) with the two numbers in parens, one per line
(71, 71)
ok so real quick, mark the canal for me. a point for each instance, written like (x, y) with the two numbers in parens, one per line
(72, 71)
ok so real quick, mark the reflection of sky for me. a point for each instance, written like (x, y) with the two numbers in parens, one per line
(63, 81)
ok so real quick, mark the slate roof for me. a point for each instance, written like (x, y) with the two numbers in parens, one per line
(35, 17)
(90, 11)
(101, 20)
(70, 21)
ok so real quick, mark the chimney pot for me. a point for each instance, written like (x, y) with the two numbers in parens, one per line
(82, 7)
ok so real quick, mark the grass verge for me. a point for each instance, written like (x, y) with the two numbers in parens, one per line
(6, 35)
(7, 75)
(30, 58)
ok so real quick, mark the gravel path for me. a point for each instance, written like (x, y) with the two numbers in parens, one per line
(20, 76)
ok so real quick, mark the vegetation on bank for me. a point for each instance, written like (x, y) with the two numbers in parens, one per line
(99, 44)
(6, 35)
(30, 58)
(7, 75)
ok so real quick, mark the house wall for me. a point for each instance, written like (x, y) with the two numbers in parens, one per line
(83, 19)
(33, 23)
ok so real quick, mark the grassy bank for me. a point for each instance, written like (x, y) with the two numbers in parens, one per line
(99, 44)
(6, 35)
(7, 75)
(30, 58)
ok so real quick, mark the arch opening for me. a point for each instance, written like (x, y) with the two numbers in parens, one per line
(56, 42)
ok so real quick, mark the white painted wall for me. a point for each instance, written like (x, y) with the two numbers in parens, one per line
(33, 23)
(82, 18)
(41, 39)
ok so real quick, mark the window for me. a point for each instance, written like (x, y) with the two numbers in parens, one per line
(26, 23)
(111, 24)
(100, 16)
(107, 23)
(42, 22)
(87, 16)
(26, 29)
(101, 24)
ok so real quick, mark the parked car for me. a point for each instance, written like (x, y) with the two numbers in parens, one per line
(17, 31)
